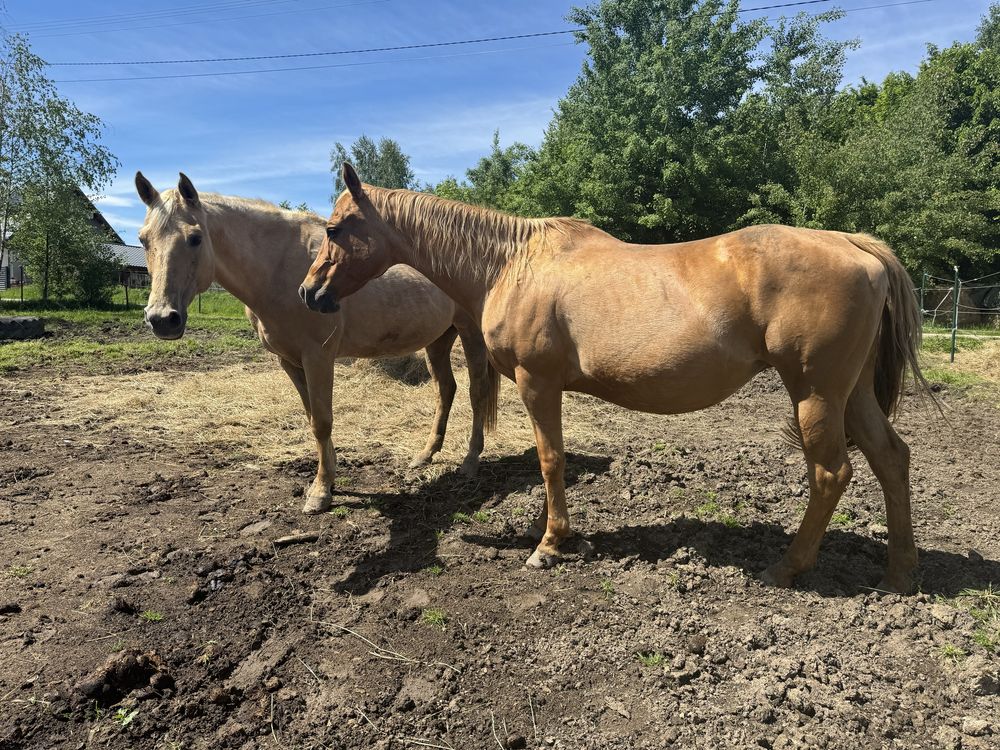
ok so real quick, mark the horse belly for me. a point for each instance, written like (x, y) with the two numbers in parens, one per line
(399, 313)
(665, 384)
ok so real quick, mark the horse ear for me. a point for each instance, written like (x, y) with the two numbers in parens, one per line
(352, 181)
(147, 193)
(186, 188)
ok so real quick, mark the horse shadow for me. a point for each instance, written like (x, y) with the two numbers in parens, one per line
(849, 564)
(418, 517)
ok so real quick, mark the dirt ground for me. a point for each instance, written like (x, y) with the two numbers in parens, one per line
(150, 596)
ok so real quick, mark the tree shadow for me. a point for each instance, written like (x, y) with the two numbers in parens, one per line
(417, 517)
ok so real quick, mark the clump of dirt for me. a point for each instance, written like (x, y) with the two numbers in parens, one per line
(142, 674)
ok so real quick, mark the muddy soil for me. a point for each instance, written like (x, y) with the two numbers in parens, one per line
(157, 596)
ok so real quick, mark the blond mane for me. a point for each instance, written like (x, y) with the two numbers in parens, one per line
(459, 237)
(212, 202)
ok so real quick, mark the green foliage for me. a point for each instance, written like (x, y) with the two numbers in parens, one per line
(61, 248)
(49, 151)
(383, 164)
(688, 120)
(490, 182)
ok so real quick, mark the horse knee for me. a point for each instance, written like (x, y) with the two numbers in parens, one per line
(832, 478)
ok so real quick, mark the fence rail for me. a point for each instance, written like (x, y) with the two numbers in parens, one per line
(950, 292)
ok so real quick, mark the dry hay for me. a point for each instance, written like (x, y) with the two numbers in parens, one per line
(254, 410)
(410, 369)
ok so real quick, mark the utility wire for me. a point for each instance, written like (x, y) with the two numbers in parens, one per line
(379, 49)
(313, 67)
(323, 54)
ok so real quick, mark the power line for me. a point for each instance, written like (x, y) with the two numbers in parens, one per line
(324, 54)
(384, 49)
(312, 67)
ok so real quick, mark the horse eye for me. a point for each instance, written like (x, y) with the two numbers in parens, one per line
(194, 240)
(332, 232)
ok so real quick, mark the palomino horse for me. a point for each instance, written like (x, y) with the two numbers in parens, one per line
(665, 329)
(259, 253)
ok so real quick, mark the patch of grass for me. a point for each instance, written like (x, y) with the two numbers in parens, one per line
(984, 607)
(151, 615)
(123, 717)
(18, 571)
(435, 570)
(518, 512)
(707, 510)
(729, 521)
(954, 378)
(842, 518)
(952, 653)
(117, 646)
(651, 658)
(341, 511)
(481, 516)
(659, 446)
(343, 481)
(943, 344)
(607, 588)
(459, 517)
(434, 617)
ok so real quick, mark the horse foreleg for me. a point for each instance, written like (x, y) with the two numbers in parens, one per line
(889, 458)
(319, 380)
(543, 401)
(821, 422)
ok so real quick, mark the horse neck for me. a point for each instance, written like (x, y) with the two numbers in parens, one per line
(259, 254)
(462, 249)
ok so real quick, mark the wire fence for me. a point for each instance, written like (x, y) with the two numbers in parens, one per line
(974, 302)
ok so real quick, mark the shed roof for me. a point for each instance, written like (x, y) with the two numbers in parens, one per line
(131, 255)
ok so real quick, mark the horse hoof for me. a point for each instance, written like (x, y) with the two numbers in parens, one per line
(542, 560)
(418, 461)
(897, 584)
(317, 504)
(778, 575)
(469, 467)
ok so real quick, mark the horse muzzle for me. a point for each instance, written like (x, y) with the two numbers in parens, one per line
(322, 301)
(166, 323)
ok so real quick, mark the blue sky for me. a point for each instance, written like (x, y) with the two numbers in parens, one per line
(269, 134)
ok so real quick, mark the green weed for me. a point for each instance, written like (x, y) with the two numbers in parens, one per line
(651, 658)
(434, 617)
(151, 615)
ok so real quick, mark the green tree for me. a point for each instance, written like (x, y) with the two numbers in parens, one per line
(664, 136)
(383, 164)
(47, 145)
(61, 248)
(491, 180)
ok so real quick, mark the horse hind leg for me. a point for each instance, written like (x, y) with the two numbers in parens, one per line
(438, 358)
(821, 424)
(889, 458)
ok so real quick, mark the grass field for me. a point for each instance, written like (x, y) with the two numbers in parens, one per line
(116, 338)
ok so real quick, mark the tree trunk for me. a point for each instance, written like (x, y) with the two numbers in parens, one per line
(45, 272)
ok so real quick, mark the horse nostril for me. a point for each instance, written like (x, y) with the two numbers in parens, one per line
(174, 319)
(302, 292)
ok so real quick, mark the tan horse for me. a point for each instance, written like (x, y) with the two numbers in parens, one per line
(259, 253)
(665, 329)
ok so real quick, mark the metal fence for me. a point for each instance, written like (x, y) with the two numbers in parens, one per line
(955, 301)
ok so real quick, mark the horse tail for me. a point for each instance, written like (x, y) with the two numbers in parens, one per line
(492, 398)
(900, 332)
